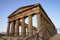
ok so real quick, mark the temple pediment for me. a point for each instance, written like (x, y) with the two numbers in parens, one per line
(24, 8)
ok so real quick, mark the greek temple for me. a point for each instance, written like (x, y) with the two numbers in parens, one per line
(45, 27)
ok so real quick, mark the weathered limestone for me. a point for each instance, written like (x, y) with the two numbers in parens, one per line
(28, 11)
(12, 28)
(43, 21)
(23, 29)
(8, 28)
(17, 28)
(30, 27)
(39, 24)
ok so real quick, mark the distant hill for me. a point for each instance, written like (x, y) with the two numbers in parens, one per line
(2, 34)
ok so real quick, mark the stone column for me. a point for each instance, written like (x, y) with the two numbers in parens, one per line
(8, 28)
(23, 29)
(43, 21)
(12, 28)
(44, 30)
(39, 24)
(27, 32)
(30, 27)
(51, 26)
(17, 28)
(48, 26)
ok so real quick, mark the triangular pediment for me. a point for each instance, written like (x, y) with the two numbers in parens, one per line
(21, 9)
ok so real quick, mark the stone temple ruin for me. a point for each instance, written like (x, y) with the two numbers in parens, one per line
(45, 28)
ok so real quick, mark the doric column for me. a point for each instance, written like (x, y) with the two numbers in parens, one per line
(43, 20)
(39, 24)
(49, 29)
(12, 28)
(51, 26)
(23, 29)
(43, 23)
(17, 28)
(8, 28)
(27, 32)
(30, 27)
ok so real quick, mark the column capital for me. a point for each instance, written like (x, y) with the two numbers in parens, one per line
(9, 22)
(23, 17)
(30, 15)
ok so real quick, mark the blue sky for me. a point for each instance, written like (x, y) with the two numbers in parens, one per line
(52, 8)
